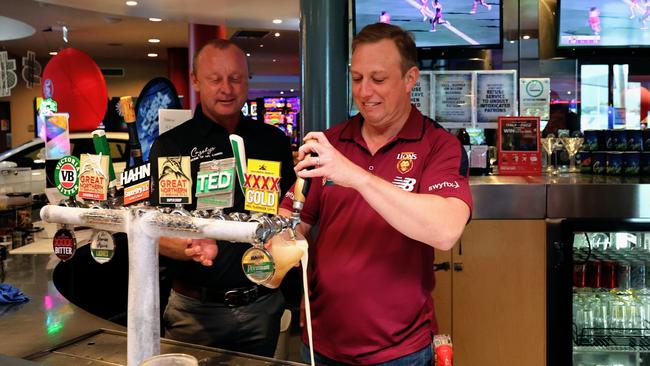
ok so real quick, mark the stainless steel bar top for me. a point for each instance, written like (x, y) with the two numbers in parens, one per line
(562, 196)
(50, 330)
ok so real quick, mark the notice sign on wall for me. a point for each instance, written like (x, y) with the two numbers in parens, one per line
(535, 94)
(421, 93)
(518, 146)
(453, 100)
(496, 96)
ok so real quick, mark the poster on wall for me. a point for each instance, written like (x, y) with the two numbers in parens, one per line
(452, 98)
(496, 96)
(535, 97)
(57, 136)
(518, 146)
(421, 93)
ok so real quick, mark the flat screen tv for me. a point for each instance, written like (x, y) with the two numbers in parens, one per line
(604, 23)
(446, 23)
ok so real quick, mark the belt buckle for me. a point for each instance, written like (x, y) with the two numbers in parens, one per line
(235, 298)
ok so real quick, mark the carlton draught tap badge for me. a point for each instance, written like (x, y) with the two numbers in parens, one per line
(215, 184)
(66, 175)
(93, 177)
(64, 244)
(174, 182)
(262, 186)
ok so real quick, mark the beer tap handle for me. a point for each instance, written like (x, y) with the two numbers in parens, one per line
(300, 191)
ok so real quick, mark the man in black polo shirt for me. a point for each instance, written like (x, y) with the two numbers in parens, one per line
(199, 310)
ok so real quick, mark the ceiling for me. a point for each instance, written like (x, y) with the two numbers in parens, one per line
(111, 30)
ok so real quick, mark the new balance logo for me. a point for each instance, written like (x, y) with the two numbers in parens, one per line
(406, 184)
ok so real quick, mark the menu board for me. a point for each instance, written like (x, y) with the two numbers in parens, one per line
(421, 93)
(452, 94)
(496, 96)
(518, 146)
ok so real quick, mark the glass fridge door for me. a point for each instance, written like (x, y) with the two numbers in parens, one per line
(611, 297)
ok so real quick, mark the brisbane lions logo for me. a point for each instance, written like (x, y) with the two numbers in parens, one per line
(405, 161)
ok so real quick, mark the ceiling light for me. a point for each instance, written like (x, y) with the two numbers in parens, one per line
(131, 3)
(526, 37)
(277, 21)
(155, 20)
(154, 40)
(569, 92)
(53, 53)
(277, 34)
(281, 93)
(152, 55)
(274, 60)
(261, 45)
(248, 54)
(512, 41)
(291, 90)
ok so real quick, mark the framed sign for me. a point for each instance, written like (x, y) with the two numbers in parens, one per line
(496, 96)
(421, 93)
(535, 97)
(453, 101)
(518, 146)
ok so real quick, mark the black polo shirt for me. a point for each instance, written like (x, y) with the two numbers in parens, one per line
(202, 139)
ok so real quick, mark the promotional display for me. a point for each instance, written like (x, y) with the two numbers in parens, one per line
(93, 177)
(57, 137)
(518, 146)
(75, 81)
(159, 93)
(174, 181)
(262, 186)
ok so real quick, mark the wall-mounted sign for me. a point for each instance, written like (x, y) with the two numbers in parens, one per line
(421, 93)
(8, 77)
(518, 146)
(452, 98)
(535, 97)
(496, 96)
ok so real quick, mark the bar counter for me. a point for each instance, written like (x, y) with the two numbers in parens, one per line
(37, 329)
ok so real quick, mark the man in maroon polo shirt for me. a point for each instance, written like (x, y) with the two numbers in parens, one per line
(389, 186)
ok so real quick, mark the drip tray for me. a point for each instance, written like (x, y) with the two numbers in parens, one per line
(108, 347)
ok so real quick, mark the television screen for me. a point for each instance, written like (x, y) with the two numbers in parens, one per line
(442, 23)
(606, 23)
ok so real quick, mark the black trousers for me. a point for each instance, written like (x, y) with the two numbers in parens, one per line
(252, 328)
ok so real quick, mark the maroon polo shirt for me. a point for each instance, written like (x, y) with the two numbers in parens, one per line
(371, 285)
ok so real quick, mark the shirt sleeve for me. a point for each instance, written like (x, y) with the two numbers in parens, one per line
(446, 172)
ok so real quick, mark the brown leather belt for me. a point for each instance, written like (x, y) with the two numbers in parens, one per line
(232, 298)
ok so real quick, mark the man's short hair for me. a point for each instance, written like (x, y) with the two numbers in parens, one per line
(404, 41)
(220, 44)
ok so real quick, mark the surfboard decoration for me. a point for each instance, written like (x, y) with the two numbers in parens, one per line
(159, 93)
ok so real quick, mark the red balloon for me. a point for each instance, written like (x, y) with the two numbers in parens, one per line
(76, 83)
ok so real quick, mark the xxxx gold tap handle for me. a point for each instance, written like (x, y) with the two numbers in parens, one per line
(301, 188)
